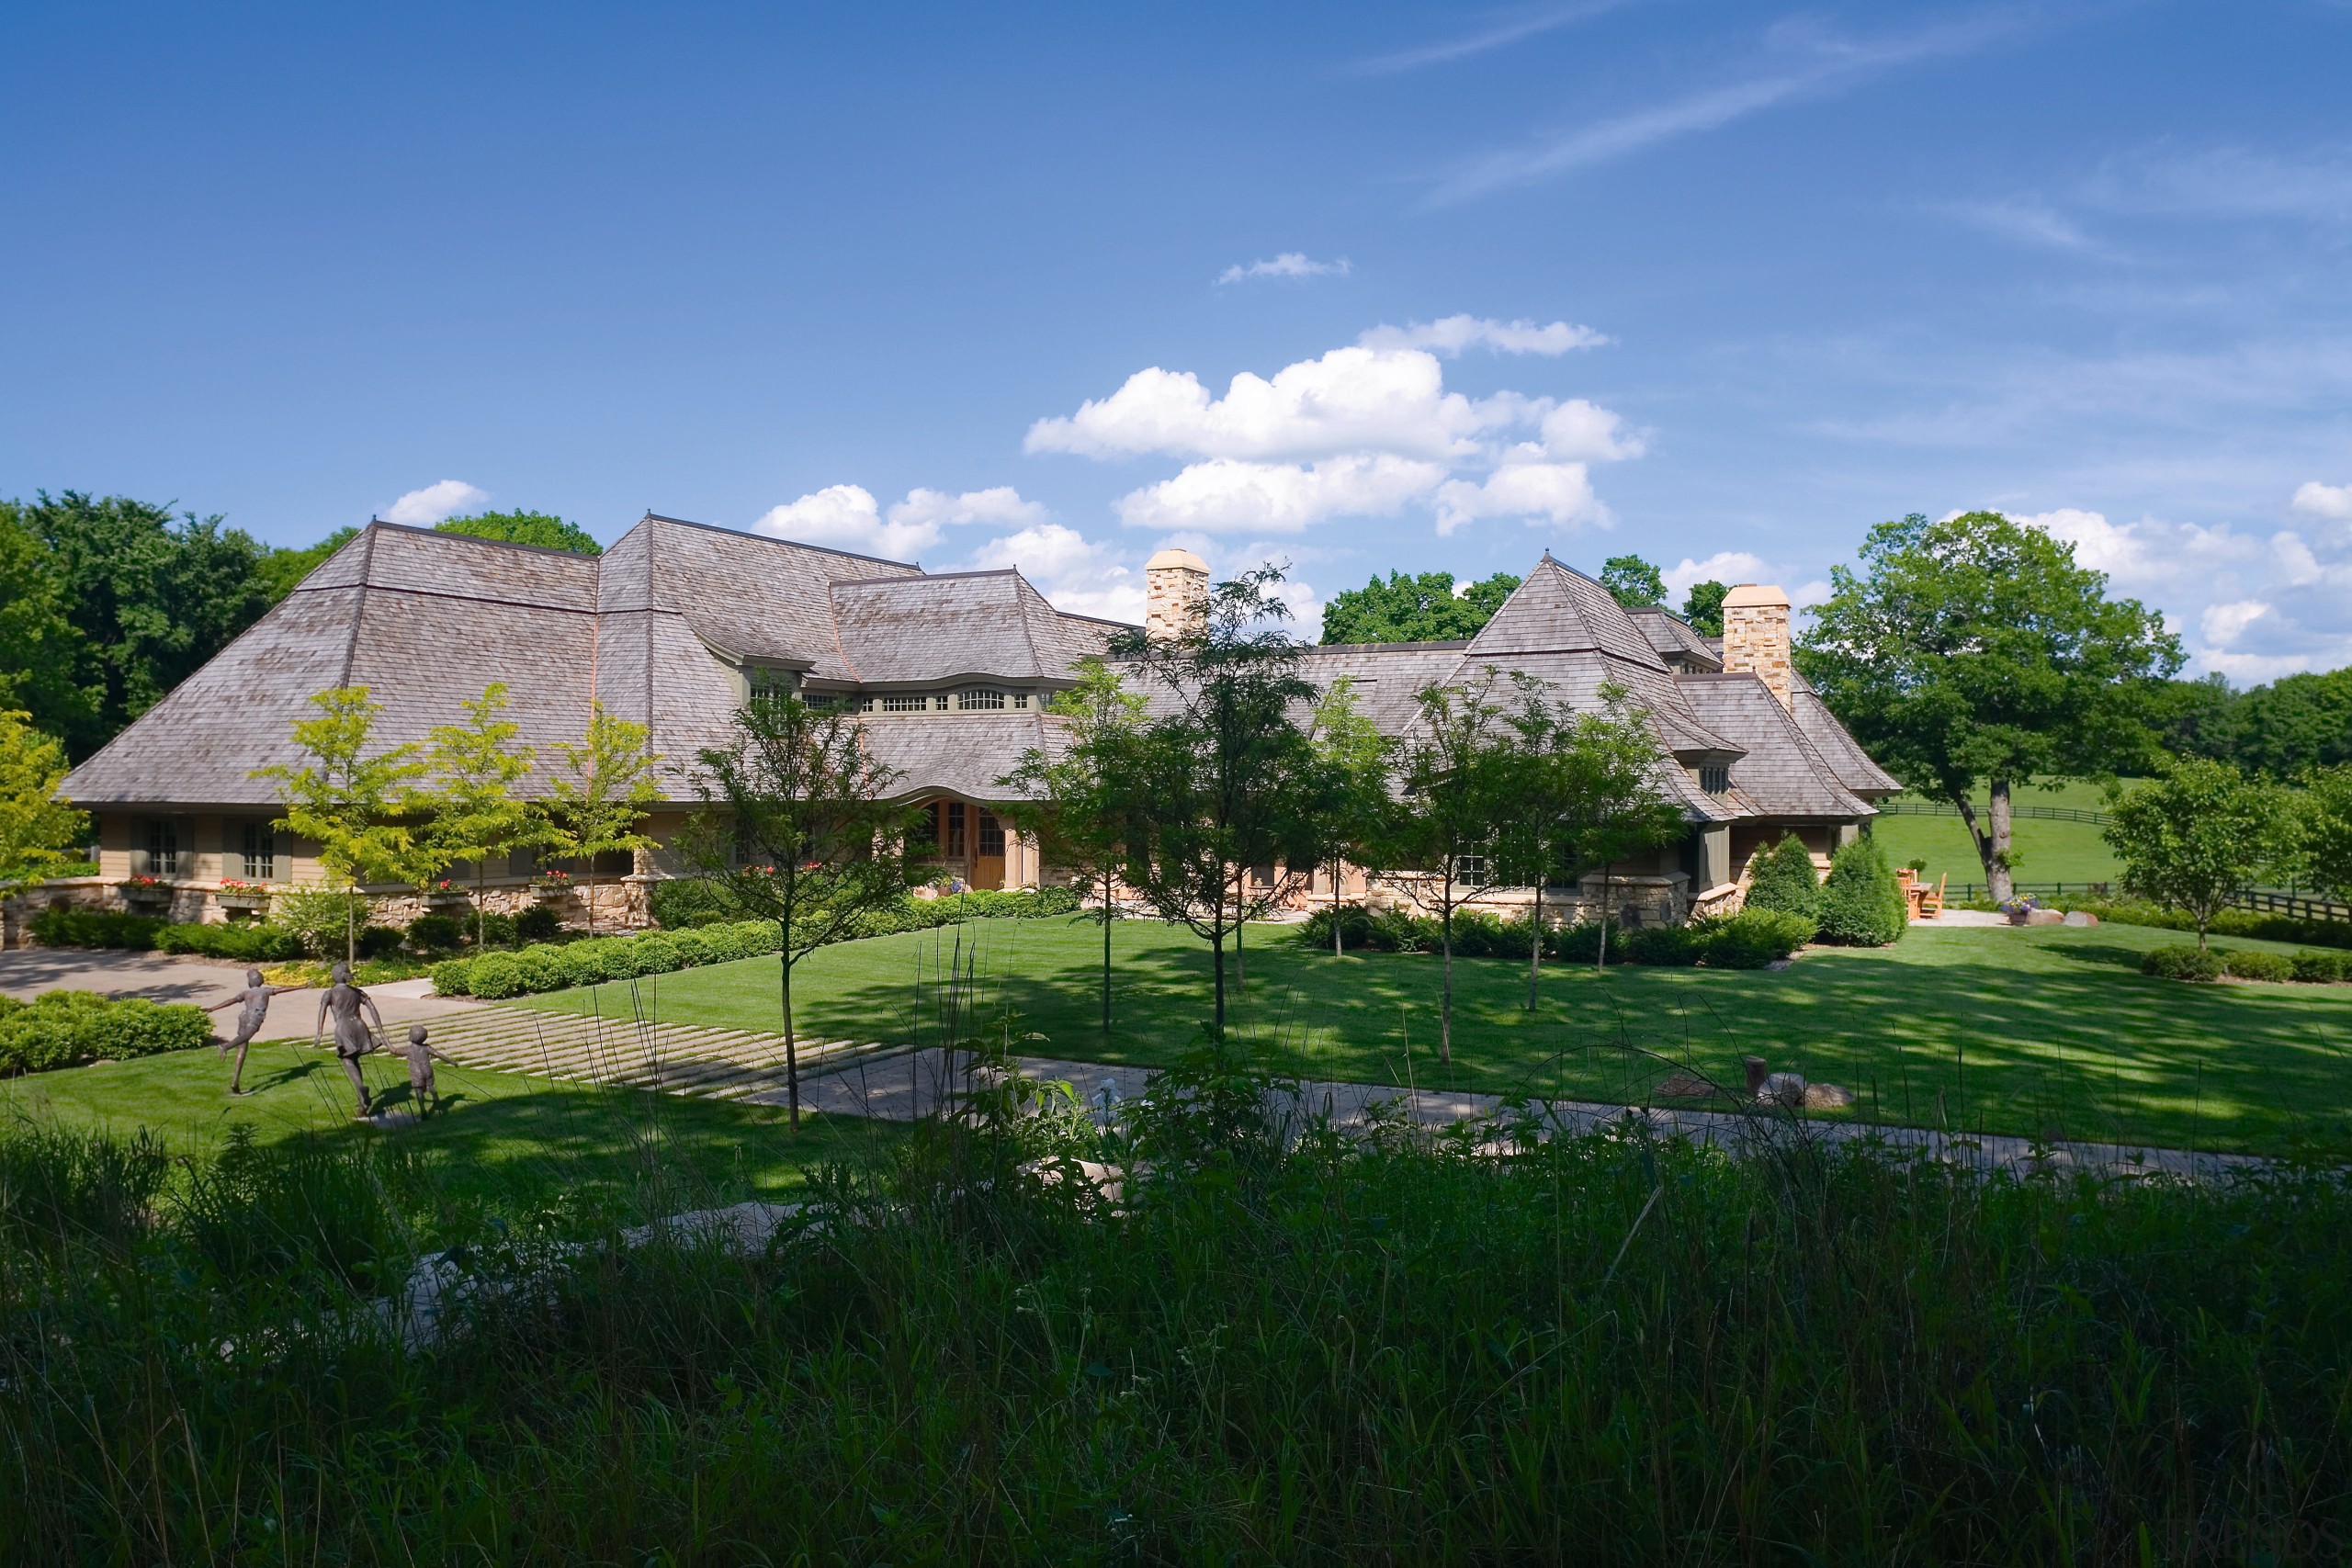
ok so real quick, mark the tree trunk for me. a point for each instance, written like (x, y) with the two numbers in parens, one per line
(1535, 946)
(1218, 947)
(1336, 949)
(1999, 880)
(592, 895)
(351, 924)
(1600, 959)
(1107, 955)
(1445, 1008)
(481, 891)
(791, 1045)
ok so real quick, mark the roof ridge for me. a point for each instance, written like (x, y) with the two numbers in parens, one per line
(780, 539)
(375, 523)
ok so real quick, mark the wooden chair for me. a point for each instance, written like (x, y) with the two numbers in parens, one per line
(1932, 899)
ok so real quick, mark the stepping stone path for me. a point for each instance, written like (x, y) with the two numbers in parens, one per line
(710, 1063)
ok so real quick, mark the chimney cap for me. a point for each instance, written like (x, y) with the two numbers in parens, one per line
(1752, 596)
(1177, 560)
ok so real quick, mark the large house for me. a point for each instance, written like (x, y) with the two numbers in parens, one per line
(678, 622)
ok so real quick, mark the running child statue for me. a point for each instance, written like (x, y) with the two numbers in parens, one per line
(353, 1038)
(421, 1055)
(254, 998)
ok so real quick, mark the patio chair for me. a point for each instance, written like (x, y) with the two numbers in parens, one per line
(1932, 899)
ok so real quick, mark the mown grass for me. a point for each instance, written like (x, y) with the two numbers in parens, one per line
(2043, 1031)
(1273, 1348)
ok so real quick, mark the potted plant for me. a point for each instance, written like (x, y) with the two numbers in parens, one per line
(144, 891)
(445, 894)
(241, 897)
(549, 884)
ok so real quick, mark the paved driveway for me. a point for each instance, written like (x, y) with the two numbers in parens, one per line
(26, 972)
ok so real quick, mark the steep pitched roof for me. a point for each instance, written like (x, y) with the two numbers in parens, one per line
(1559, 611)
(1673, 638)
(918, 630)
(1837, 749)
(1782, 775)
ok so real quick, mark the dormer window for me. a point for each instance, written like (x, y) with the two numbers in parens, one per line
(904, 702)
(766, 681)
(977, 698)
(1715, 779)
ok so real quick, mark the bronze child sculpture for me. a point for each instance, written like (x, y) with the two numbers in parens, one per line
(420, 1071)
(353, 1039)
(255, 1000)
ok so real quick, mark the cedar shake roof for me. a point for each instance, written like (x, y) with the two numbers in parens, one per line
(659, 627)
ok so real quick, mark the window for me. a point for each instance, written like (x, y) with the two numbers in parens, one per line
(1263, 875)
(161, 854)
(1021, 699)
(767, 683)
(521, 861)
(1715, 779)
(955, 829)
(1470, 870)
(914, 702)
(992, 836)
(259, 844)
(976, 697)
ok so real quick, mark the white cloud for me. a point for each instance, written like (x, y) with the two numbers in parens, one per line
(847, 517)
(1808, 594)
(1729, 567)
(1076, 574)
(1290, 264)
(1450, 336)
(1229, 495)
(2252, 668)
(2331, 502)
(423, 508)
(2029, 219)
(1559, 493)
(1525, 26)
(2222, 625)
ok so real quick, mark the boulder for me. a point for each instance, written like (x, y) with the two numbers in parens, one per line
(2081, 918)
(2045, 917)
(1783, 1088)
(1826, 1095)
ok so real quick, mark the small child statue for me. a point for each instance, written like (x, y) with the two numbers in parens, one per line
(421, 1057)
(254, 998)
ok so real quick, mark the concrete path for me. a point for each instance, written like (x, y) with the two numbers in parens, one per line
(26, 972)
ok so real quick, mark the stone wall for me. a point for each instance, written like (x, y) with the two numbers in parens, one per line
(1756, 637)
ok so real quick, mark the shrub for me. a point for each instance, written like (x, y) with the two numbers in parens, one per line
(1580, 943)
(683, 902)
(2256, 965)
(1672, 946)
(65, 1029)
(433, 933)
(453, 978)
(375, 941)
(538, 923)
(259, 944)
(96, 928)
(545, 967)
(656, 953)
(1861, 905)
(2179, 961)
(2229, 922)
(495, 931)
(317, 915)
(1782, 878)
(1481, 933)
(2319, 969)
(1753, 938)
(492, 976)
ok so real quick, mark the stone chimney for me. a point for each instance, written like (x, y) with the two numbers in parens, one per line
(1756, 637)
(1176, 595)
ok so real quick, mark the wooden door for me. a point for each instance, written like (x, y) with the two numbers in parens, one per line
(988, 862)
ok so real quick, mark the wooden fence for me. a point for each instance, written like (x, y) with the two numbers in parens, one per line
(2036, 813)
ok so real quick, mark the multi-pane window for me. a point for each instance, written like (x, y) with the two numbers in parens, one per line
(162, 856)
(991, 835)
(1470, 870)
(259, 847)
(954, 847)
(905, 703)
(1021, 699)
(768, 683)
(974, 697)
(1716, 779)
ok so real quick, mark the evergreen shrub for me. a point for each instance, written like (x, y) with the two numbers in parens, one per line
(1753, 938)
(65, 1028)
(259, 942)
(1668, 946)
(96, 928)
(2179, 961)
(433, 933)
(1781, 877)
(2320, 968)
(1861, 904)
(490, 976)
(2257, 966)
(538, 923)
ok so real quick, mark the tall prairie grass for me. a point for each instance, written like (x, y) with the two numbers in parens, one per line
(1269, 1342)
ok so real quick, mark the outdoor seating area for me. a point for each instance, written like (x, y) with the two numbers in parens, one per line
(1926, 902)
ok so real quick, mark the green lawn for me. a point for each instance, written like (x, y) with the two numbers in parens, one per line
(504, 1138)
(2045, 1031)
(2047, 851)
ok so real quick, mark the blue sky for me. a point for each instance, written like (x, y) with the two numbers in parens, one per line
(1720, 284)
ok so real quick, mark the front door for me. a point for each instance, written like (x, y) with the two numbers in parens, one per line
(988, 863)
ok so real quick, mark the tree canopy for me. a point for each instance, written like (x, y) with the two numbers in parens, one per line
(1632, 582)
(1704, 607)
(542, 529)
(2190, 840)
(1408, 608)
(1975, 650)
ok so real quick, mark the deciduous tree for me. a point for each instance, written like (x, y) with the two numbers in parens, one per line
(2328, 830)
(1632, 582)
(1427, 607)
(38, 831)
(351, 800)
(797, 825)
(1351, 759)
(1703, 608)
(1975, 651)
(476, 813)
(2191, 839)
(541, 528)
(592, 807)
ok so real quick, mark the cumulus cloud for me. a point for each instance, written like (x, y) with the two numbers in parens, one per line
(1290, 264)
(423, 508)
(1450, 336)
(2331, 502)
(848, 517)
(2222, 625)
(1078, 575)
(1729, 567)
(1365, 430)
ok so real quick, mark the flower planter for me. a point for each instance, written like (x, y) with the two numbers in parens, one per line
(248, 900)
(452, 900)
(145, 894)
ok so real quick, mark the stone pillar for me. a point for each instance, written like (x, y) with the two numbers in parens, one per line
(1176, 595)
(1756, 637)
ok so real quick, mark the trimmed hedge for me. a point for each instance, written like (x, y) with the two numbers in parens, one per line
(2179, 961)
(2229, 922)
(2275, 966)
(96, 928)
(543, 966)
(256, 943)
(2321, 968)
(66, 1029)
(1746, 941)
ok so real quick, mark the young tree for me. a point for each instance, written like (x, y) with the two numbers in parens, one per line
(1632, 582)
(2191, 839)
(476, 814)
(1703, 608)
(2328, 830)
(1351, 758)
(351, 803)
(797, 826)
(1069, 803)
(594, 806)
(1223, 779)
(1457, 770)
(38, 831)
(1975, 651)
(1618, 809)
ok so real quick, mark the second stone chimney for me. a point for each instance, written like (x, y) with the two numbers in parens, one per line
(1756, 637)
(1176, 595)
